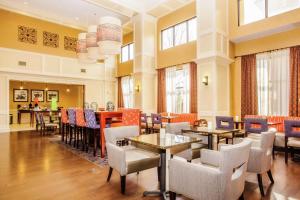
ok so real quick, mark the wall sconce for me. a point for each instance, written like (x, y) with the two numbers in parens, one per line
(137, 88)
(205, 80)
(21, 86)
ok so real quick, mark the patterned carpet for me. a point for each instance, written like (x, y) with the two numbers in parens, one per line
(88, 156)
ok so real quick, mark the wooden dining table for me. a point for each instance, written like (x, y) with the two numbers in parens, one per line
(209, 132)
(104, 116)
(161, 143)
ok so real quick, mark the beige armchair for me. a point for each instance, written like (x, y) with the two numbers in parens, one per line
(194, 151)
(127, 159)
(260, 159)
(219, 176)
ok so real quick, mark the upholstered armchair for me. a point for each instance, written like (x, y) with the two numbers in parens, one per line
(127, 159)
(292, 137)
(219, 176)
(260, 158)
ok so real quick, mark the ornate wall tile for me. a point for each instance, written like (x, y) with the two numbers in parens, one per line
(27, 34)
(50, 39)
(70, 43)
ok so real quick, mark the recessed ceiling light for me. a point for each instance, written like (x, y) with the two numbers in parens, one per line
(76, 18)
(25, 2)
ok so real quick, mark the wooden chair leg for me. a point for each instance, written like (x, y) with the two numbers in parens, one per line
(95, 142)
(270, 176)
(241, 197)
(260, 184)
(109, 174)
(286, 149)
(172, 195)
(123, 184)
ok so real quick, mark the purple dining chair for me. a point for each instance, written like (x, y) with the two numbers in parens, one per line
(256, 125)
(72, 124)
(225, 123)
(93, 127)
(292, 131)
(156, 121)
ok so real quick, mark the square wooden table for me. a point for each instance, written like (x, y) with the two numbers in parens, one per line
(210, 132)
(160, 143)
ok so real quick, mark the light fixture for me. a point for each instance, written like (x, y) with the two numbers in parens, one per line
(76, 18)
(81, 49)
(205, 80)
(68, 90)
(25, 3)
(46, 88)
(137, 88)
(91, 43)
(21, 86)
(109, 36)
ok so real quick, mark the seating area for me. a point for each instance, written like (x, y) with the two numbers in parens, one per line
(150, 99)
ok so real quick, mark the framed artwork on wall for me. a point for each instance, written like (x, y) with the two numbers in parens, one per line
(52, 94)
(20, 95)
(39, 94)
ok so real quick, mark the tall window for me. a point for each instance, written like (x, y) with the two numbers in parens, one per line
(178, 89)
(273, 82)
(127, 89)
(127, 53)
(254, 10)
(179, 34)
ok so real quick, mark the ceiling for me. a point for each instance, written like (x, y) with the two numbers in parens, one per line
(81, 13)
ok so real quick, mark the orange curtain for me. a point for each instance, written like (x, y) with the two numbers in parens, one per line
(249, 86)
(120, 93)
(294, 104)
(161, 90)
(193, 88)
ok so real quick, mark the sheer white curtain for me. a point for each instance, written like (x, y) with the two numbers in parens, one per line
(178, 89)
(127, 89)
(273, 82)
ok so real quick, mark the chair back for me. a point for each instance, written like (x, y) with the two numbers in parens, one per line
(233, 166)
(200, 123)
(156, 118)
(256, 125)
(224, 122)
(94, 106)
(72, 116)
(79, 117)
(131, 117)
(143, 118)
(112, 135)
(176, 128)
(292, 128)
(90, 118)
(64, 116)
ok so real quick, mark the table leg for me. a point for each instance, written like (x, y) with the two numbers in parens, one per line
(19, 117)
(162, 182)
(102, 140)
(31, 118)
(210, 141)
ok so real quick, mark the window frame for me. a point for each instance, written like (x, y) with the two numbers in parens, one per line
(127, 46)
(266, 12)
(173, 35)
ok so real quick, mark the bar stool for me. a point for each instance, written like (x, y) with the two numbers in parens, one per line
(64, 124)
(72, 124)
(92, 126)
(80, 128)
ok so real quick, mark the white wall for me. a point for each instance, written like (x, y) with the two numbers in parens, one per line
(99, 79)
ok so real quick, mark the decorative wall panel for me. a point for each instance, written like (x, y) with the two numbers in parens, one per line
(27, 34)
(50, 39)
(70, 43)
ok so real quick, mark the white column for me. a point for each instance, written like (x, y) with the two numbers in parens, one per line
(213, 58)
(4, 103)
(144, 72)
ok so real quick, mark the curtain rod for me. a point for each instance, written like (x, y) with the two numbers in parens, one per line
(266, 51)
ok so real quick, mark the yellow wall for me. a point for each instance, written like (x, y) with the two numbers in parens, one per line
(187, 52)
(74, 98)
(281, 20)
(125, 68)
(9, 34)
(276, 41)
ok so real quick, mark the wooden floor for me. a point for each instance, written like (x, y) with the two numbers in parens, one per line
(32, 167)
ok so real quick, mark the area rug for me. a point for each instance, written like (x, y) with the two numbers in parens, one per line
(87, 156)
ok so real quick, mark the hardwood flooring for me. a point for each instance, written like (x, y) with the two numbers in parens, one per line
(32, 167)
